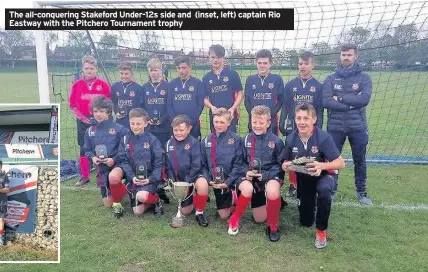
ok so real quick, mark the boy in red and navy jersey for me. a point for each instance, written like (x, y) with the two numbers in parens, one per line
(223, 87)
(81, 94)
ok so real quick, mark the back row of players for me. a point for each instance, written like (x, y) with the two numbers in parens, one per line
(179, 104)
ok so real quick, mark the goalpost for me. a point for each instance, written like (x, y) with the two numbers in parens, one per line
(392, 40)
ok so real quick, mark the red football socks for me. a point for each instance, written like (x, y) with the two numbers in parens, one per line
(84, 166)
(151, 199)
(293, 179)
(118, 191)
(200, 202)
(273, 207)
(241, 206)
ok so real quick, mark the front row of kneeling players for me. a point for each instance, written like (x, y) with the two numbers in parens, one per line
(190, 161)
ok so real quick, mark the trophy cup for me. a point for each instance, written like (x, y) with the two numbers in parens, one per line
(141, 172)
(256, 168)
(299, 165)
(218, 177)
(156, 118)
(122, 110)
(101, 152)
(179, 190)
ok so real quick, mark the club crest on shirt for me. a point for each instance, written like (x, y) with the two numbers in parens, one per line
(231, 141)
(295, 150)
(99, 88)
(112, 131)
(163, 92)
(225, 79)
(132, 93)
(271, 144)
(314, 149)
(210, 81)
(146, 145)
(270, 85)
(254, 87)
(313, 89)
(191, 88)
(187, 146)
(355, 86)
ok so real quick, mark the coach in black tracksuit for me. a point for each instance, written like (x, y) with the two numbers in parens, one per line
(346, 93)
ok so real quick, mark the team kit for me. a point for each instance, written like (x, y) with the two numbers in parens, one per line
(144, 138)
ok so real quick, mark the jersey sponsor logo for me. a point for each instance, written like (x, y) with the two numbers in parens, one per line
(225, 79)
(254, 86)
(191, 88)
(295, 150)
(112, 131)
(156, 100)
(132, 93)
(231, 141)
(122, 102)
(337, 86)
(262, 96)
(146, 145)
(183, 97)
(355, 86)
(303, 98)
(99, 88)
(314, 149)
(218, 89)
(270, 86)
(163, 92)
(294, 89)
(187, 146)
(271, 144)
(313, 89)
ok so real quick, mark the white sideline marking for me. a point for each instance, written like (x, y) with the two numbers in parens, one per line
(397, 206)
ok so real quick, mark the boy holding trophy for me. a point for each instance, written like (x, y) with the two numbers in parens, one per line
(184, 164)
(262, 184)
(222, 156)
(140, 161)
(101, 144)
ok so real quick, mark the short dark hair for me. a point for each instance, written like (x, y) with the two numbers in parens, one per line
(264, 53)
(182, 59)
(102, 102)
(306, 107)
(218, 50)
(126, 65)
(139, 112)
(181, 119)
(306, 55)
(349, 46)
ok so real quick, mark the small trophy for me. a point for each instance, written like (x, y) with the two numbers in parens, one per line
(101, 152)
(156, 118)
(122, 110)
(141, 172)
(299, 165)
(219, 175)
(179, 191)
(256, 166)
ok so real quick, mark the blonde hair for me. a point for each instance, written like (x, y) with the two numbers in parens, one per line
(261, 110)
(223, 112)
(90, 60)
(154, 64)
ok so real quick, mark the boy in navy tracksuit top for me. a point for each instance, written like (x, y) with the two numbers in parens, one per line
(101, 144)
(140, 149)
(262, 182)
(222, 156)
(314, 189)
(186, 96)
(223, 87)
(125, 94)
(155, 103)
(264, 89)
(301, 89)
(184, 163)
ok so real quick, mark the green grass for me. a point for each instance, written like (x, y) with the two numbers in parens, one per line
(17, 252)
(363, 239)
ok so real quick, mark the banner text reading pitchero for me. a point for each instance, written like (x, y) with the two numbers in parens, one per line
(152, 19)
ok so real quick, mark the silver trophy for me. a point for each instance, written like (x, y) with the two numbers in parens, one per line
(299, 165)
(256, 166)
(156, 118)
(218, 176)
(121, 108)
(179, 190)
(141, 172)
(101, 152)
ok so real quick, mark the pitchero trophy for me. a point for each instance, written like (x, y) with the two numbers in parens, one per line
(179, 190)
(141, 172)
(299, 165)
(101, 152)
(218, 177)
(122, 110)
(156, 118)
